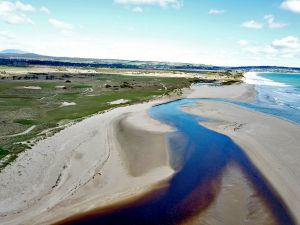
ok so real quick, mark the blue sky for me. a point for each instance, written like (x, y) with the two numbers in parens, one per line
(219, 32)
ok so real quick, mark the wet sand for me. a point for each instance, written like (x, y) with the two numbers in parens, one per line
(271, 143)
(237, 202)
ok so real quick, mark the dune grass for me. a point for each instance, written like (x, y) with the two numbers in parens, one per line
(20, 107)
(3, 153)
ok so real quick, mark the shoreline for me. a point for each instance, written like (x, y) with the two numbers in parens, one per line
(238, 200)
(241, 92)
(274, 154)
(83, 167)
(117, 172)
(215, 210)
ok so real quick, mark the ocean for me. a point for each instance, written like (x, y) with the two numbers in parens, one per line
(277, 94)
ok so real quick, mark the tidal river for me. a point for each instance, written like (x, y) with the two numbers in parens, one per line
(200, 157)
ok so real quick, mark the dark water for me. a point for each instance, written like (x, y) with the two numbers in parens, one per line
(195, 185)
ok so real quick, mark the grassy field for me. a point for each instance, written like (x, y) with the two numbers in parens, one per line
(24, 104)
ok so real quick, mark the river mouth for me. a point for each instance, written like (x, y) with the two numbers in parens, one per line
(202, 161)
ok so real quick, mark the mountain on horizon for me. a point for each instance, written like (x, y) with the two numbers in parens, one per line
(20, 56)
(13, 51)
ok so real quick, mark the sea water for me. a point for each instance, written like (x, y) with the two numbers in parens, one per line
(277, 94)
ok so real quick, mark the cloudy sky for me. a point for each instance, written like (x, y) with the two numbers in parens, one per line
(219, 32)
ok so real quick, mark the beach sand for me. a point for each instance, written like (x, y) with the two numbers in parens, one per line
(272, 144)
(237, 202)
(101, 160)
(241, 92)
(124, 153)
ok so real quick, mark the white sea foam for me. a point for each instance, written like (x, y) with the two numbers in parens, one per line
(254, 78)
(277, 98)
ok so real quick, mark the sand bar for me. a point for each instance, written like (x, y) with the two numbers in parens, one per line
(271, 143)
(84, 166)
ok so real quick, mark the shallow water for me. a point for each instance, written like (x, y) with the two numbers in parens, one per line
(200, 164)
(277, 94)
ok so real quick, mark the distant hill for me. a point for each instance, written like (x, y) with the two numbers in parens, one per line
(13, 51)
(15, 57)
(20, 54)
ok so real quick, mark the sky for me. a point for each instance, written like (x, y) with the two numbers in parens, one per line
(214, 32)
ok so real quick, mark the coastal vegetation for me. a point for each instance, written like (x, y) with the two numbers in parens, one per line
(30, 107)
(39, 100)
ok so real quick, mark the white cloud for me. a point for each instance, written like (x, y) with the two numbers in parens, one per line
(137, 9)
(291, 5)
(6, 35)
(287, 47)
(243, 42)
(24, 7)
(162, 3)
(262, 50)
(253, 24)
(269, 22)
(289, 42)
(216, 11)
(45, 10)
(272, 23)
(14, 13)
(60, 24)
(66, 29)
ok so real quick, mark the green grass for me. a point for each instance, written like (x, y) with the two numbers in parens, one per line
(21, 108)
(82, 86)
(11, 158)
(25, 121)
(90, 105)
(3, 153)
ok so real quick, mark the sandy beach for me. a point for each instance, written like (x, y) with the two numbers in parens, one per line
(149, 112)
(272, 144)
(103, 159)
(124, 153)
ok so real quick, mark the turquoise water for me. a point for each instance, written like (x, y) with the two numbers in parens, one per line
(284, 78)
(277, 94)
